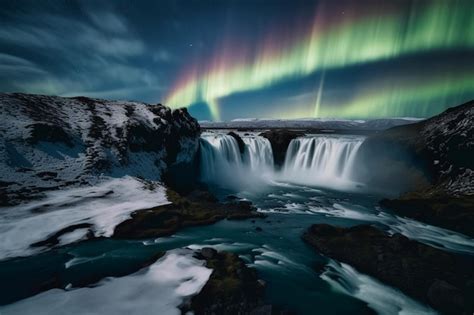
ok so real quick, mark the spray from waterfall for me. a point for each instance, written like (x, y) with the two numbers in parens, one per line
(326, 161)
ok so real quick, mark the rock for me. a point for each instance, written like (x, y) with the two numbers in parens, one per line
(77, 139)
(446, 298)
(48, 133)
(239, 140)
(262, 310)
(432, 163)
(208, 253)
(183, 211)
(413, 267)
(454, 213)
(258, 229)
(280, 140)
(233, 288)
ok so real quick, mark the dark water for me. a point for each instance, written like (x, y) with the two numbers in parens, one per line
(297, 277)
(292, 270)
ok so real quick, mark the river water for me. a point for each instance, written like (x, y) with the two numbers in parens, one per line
(316, 184)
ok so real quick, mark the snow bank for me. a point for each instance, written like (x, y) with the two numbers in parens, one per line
(158, 289)
(104, 205)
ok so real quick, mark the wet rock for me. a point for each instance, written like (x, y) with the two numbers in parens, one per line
(208, 253)
(239, 140)
(183, 211)
(232, 288)
(446, 297)
(454, 213)
(280, 140)
(419, 270)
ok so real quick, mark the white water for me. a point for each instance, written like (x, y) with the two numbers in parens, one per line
(382, 298)
(222, 162)
(326, 161)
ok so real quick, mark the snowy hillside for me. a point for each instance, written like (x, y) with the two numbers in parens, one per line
(50, 142)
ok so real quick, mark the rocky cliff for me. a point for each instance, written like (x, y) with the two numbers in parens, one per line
(433, 160)
(49, 142)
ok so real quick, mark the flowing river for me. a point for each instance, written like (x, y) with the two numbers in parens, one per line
(316, 184)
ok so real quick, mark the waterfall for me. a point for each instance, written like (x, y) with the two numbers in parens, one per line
(222, 162)
(326, 161)
(321, 160)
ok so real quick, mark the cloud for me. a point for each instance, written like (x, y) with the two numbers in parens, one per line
(108, 21)
(95, 52)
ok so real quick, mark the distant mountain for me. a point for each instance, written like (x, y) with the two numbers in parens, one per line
(309, 123)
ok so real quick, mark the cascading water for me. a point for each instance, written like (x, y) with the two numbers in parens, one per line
(326, 161)
(223, 164)
(321, 160)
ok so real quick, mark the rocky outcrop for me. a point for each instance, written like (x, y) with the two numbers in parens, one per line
(233, 288)
(239, 140)
(433, 162)
(79, 138)
(441, 149)
(197, 208)
(280, 140)
(454, 213)
(443, 280)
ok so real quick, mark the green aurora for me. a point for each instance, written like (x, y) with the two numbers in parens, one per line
(330, 43)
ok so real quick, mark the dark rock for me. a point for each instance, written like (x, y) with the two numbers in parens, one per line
(262, 310)
(454, 213)
(445, 297)
(258, 229)
(413, 267)
(48, 133)
(432, 163)
(47, 174)
(239, 140)
(232, 288)
(208, 252)
(280, 140)
(231, 198)
(184, 211)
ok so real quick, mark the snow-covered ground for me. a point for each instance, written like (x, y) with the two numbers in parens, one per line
(157, 289)
(50, 142)
(104, 205)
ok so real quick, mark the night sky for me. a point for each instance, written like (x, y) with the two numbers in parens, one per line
(242, 59)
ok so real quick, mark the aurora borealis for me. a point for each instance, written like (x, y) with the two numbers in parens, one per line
(352, 38)
(238, 59)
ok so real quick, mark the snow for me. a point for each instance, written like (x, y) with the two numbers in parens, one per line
(98, 141)
(104, 205)
(158, 289)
